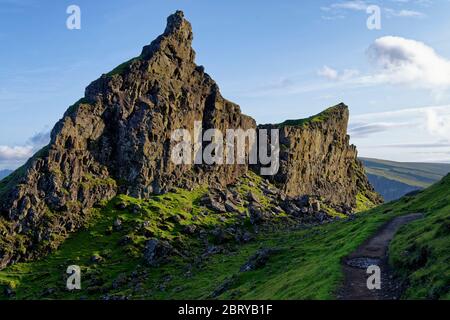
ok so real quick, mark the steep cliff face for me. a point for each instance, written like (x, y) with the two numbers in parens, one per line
(117, 140)
(316, 158)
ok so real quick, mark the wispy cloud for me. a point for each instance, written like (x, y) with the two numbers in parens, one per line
(338, 9)
(400, 61)
(433, 121)
(415, 134)
(16, 155)
(332, 74)
(363, 130)
(403, 13)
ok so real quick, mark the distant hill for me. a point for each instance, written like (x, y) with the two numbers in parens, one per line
(395, 179)
(4, 173)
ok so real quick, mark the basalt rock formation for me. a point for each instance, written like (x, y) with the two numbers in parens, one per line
(117, 140)
(316, 158)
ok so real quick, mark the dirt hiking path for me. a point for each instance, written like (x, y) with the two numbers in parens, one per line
(373, 252)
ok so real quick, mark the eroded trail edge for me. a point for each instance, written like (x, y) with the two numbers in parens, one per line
(373, 252)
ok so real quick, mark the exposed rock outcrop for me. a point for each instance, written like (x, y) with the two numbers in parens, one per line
(117, 139)
(316, 158)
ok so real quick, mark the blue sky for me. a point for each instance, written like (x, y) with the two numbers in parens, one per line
(277, 59)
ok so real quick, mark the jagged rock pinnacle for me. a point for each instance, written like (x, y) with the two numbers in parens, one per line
(177, 23)
(177, 36)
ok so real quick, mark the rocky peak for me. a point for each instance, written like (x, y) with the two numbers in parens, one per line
(177, 24)
(117, 140)
(176, 39)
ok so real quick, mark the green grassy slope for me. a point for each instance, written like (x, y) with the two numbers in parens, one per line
(306, 264)
(421, 251)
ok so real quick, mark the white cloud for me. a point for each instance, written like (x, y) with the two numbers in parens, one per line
(404, 13)
(332, 74)
(356, 5)
(438, 123)
(12, 156)
(399, 61)
(415, 134)
(405, 61)
(15, 153)
(328, 73)
(337, 9)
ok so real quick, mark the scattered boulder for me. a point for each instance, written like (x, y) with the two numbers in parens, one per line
(156, 251)
(9, 292)
(117, 226)
(125, 240)
(225, 286)
(216, 206)
(252, 197)
(190, 229)
(96, 258)
(244, 237)
(277, 209)
(258, 260)
(120, 281)
(121, 206)
(134, 208)
(230, 207)
(315, 206)
(256, 215)
(48, 292)
(175, 218)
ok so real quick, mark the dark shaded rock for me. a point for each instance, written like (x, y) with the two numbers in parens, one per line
(252, 197)
(225, 286)
(256, 215)
(316, 206)
(230, 206)
(48, 292)
(190, 229)
(96, 258)
(125, 240)
(134, 208)
(120, 281)
(9, 292)
(221, 236)
(258, 260)
(277, 209)
(156, 252)
(117, 226)
(121, 206)
(216, 206)
(244, 237)
(174, 219)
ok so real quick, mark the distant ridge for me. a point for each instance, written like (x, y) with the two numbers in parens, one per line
(395, 179)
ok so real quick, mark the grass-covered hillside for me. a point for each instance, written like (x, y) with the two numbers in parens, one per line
(420, 252)
(395, 179)
(274, 263)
